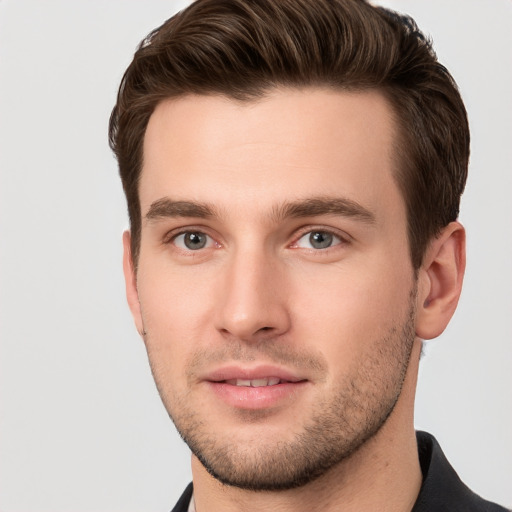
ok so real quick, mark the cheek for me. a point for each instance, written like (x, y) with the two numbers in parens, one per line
(346, 311)
(176, 308)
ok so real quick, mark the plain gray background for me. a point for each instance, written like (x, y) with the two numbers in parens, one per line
(81, 425)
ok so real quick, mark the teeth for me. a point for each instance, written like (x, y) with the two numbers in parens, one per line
(258, 383)
(254, 383)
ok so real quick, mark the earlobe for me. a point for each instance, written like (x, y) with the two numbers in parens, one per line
(440, 281)
(130, 278)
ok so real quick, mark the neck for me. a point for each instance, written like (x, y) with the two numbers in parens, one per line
(383, 474)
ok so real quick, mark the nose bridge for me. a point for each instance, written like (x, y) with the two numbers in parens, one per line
(253, 304)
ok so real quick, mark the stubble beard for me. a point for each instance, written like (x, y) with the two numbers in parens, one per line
(338, 426)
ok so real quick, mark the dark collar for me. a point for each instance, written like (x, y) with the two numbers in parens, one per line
(183, 502)
(441, 491)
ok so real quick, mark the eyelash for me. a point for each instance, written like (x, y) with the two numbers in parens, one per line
(340, 239)
(170, 238)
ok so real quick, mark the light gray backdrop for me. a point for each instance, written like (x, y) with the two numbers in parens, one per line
(81, 425)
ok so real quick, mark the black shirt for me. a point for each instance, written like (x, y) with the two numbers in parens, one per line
(442, 489)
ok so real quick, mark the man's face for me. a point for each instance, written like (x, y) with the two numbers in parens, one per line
(274, 281)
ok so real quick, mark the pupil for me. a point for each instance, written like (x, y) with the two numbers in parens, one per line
(195, 240)
(320, 239)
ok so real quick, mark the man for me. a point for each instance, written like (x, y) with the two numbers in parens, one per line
(293, 171)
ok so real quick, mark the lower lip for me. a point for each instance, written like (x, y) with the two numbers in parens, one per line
(263, 397)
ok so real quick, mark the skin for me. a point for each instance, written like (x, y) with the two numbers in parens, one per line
(346, 319)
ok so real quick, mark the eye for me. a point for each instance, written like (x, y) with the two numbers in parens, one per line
(192, 241)
(318, 239)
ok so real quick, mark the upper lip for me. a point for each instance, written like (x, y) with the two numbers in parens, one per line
(259, 372)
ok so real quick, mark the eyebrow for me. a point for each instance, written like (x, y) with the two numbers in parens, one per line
(315, 206)
(166, 207)
(310, 207)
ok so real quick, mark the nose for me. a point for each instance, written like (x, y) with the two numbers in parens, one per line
(252, 304)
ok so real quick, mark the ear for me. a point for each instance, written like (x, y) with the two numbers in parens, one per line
(440, 281)
(130, 279)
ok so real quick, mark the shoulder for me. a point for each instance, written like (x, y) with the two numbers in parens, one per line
(442, 489)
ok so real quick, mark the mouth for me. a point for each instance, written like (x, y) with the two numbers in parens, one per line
(256, 388)
(256, 383)
(256, 376)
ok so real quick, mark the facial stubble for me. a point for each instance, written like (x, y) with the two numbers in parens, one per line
(338, 425)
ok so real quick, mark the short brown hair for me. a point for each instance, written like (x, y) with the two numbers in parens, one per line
(244, 48)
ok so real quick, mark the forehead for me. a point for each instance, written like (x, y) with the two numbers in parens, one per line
(289, 145)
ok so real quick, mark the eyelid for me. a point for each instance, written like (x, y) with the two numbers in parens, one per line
(170, 236)
(182, 245)
(341, 235)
